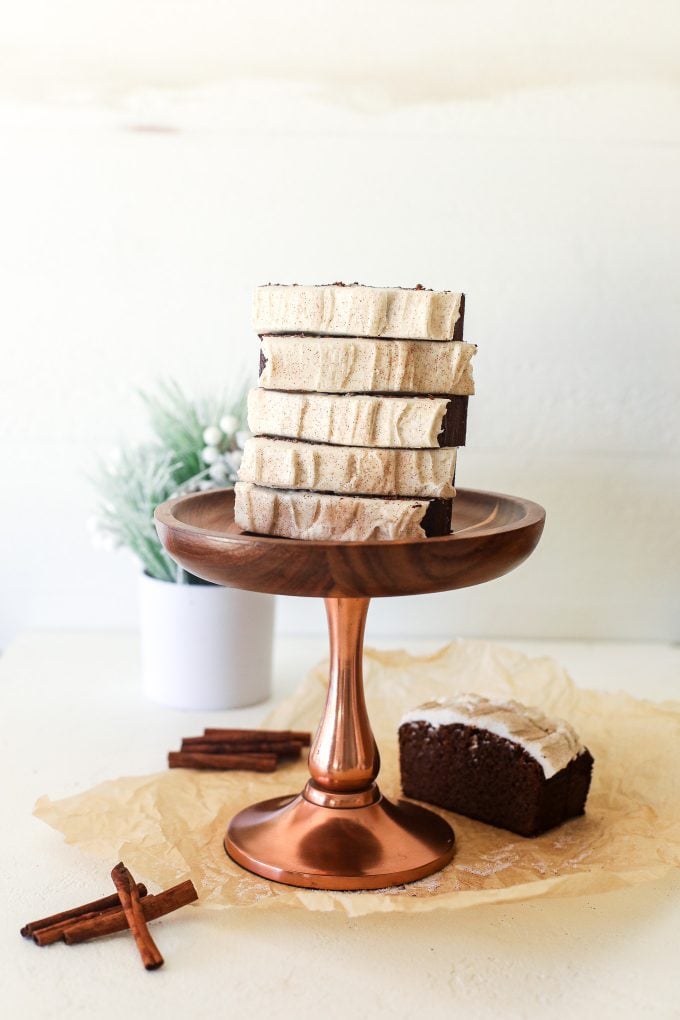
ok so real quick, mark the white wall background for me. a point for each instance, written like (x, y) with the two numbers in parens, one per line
(159, 160)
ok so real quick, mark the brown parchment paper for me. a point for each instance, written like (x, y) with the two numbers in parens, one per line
(170, 825)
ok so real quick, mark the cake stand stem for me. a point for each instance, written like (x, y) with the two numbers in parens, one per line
(344, 757)
(340, 832)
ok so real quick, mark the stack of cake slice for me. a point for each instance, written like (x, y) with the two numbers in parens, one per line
(361, 406)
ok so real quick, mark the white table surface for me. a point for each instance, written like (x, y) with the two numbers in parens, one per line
(71, 715)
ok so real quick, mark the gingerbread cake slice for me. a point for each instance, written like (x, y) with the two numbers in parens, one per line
(359, 420)
(497, 761)
(357, 470)
(353, 310)
(325, 517)
(359, 365)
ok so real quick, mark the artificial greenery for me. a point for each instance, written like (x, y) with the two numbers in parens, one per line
(194, 445)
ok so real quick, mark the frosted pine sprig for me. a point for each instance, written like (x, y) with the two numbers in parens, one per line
(196, 446)
(130, 488)
(179, 424)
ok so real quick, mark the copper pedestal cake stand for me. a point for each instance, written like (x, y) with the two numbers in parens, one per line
(340, 832)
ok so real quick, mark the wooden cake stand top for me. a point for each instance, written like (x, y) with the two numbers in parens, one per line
(492, 535)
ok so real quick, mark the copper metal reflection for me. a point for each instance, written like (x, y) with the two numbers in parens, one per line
(340, 832)
(344, 757)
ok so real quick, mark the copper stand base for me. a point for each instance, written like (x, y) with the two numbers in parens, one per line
(297, 842)
(340, 832)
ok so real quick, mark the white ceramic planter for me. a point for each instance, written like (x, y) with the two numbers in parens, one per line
(203, 646)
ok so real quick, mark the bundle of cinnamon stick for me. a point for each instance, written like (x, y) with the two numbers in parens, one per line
(129, 907)
(251, 750)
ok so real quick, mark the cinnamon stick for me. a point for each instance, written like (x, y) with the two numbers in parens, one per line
(115, 921)
(215, 734)
(96, 906)
(55, 932)
(282, 749)
(134, 914)
(222, 762)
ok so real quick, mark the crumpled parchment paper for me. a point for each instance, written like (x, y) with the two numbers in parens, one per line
(170, 826)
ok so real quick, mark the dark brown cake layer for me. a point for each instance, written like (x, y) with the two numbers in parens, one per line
(458, 328)
(479, 774)
(454, 425)
(437, 519)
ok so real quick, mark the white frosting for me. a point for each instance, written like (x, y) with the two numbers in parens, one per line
(355, 365)
(410, 422)
(287, 464)
(552, 742)
(357, 311)
(325, 517)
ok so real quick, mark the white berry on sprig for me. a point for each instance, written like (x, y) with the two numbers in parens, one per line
(212, 435)
(228, 424)
(210, 454)
(218, 472)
